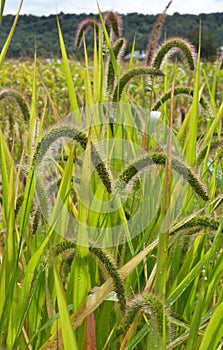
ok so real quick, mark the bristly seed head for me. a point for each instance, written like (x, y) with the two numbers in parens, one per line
(153, 308)
(160, 159)
(19, 98)
(201, 222)
(83, 27)
(126, 77)
(113, 272)
(155, 35)
(113, 23)
(172, 46)
(118, 48)
(187, 92)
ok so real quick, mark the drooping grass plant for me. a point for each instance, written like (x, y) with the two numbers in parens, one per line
(19, 98)
(151, 307)
(184, 91)
(106, 262)
(177, 165)
(172, 45)
(83, 27)
(130, 75)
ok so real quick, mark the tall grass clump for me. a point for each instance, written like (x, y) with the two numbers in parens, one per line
(111, 199)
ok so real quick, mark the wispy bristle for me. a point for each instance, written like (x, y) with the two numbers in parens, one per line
(113, 23)
(84, 26)
(12, 93)
(155, 34)
(173, 45)
(119, 49)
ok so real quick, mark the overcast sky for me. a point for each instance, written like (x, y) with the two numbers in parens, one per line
(47, 7)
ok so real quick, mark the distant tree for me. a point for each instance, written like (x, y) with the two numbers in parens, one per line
(43, 32)
(209, 44)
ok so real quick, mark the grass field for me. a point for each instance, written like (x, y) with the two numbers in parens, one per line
(111, 197)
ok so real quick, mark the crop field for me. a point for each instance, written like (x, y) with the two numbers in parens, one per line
(111, 196)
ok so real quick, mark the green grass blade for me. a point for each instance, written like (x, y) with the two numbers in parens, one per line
(10, 237)
(4, 173)
(8, 267)
(214, 331)
(69, 339)
(101, 71)
(33, 113)
(88, 91)
(109, 45)
(132, 52)
(2, 9)
(23, 303)
(216, 275)
(59, 217)
(191, 139)
(98, 66)
(195, 271)
(27, 202)
(8, 174)
(35, 260)
(211, 91)
(192, 274)
(93, 303)
(195, 323)
(9, 38)
(81, 268)
(213, 126)
(137, 338)
(69, 79)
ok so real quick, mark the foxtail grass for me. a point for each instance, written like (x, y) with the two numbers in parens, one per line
(44, 305)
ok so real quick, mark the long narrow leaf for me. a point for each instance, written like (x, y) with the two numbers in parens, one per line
(100, 294)
(2, 9)
(191, 140)
(8, 41)
(214, 331)
(32, 138)
(213, 126)
(69, 339)
(108, 43)
(70, 85)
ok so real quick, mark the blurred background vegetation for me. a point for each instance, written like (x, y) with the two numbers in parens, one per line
(42, 32)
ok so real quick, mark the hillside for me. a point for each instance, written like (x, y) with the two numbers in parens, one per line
(43, 32)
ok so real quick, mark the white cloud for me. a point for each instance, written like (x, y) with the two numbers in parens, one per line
(46, 7)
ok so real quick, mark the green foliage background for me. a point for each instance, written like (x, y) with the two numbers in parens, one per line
(42, 32)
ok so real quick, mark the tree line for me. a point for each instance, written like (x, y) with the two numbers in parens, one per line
(41, 32)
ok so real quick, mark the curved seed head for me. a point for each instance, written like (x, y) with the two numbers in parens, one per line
(175, 45)
(113, 23)
(83, 27)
